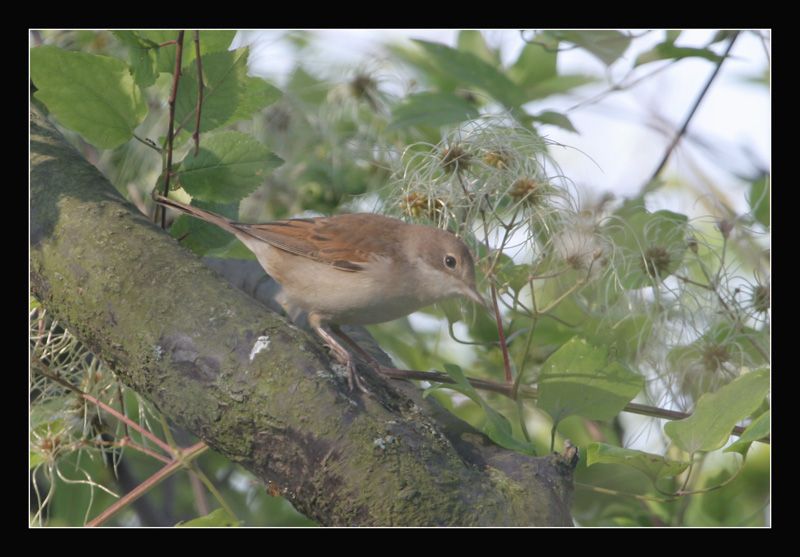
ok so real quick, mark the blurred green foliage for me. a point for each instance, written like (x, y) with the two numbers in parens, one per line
(616, 297)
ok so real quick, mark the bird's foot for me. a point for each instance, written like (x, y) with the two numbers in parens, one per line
(341, 355)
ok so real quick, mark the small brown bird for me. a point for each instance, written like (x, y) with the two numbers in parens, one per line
(353, 269)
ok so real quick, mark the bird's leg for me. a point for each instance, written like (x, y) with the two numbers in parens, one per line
(342, 356)
(354, 345)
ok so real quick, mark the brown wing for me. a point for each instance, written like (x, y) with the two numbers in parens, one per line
(343, 241)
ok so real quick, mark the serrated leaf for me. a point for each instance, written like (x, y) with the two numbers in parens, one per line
(668, 51)
(652, 465)
(199, 236)
(94, 95)
(715, 414)
(648, 246)
(608, 46)
(555, 119)
(432, 109)
(229, 94)
(515, 276)
(229, 166)
(216, 518)
(142, 54)
(579, 379)
(756, 431)
(213, 40)
(210, 41)
(495, 426)
(471, 70)
(759, 199)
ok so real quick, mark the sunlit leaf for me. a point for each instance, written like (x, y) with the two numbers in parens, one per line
(229, 166)
(652, 465)
(495, 426)
(94, 95)
(579, 379)
(715, 414)
(229, 94)
(756, 431)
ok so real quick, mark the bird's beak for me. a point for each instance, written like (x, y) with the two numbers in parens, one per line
(472, 294)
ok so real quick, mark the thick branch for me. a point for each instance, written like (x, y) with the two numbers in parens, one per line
(185, 339)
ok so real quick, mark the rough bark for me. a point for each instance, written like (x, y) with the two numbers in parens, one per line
(184, 338)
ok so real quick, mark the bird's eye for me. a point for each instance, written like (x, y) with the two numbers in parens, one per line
(450, 261)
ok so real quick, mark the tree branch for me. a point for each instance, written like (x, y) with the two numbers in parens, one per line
(184, 339)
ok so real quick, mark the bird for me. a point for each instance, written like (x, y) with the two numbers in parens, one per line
(353, 269)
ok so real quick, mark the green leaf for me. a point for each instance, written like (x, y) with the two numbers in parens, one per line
(216, 518)
(142, 54)
(666, 51)
(556, 85)
(94, 95)
(608, 46)
(652, 465)
(756, 431)
(34, 459)
(306, 87)
(496, 426)
(210, 41)
(534, 65)
(555, 119)
(759, 199)
(214, 40)
(232, 250)
(432, 109)
(473, 42)
(648, 246)
(578, 378)
(725, 34)
(199, 236)
(672, 35)
(515, 276)
(471, 70)
(710, 425)
(229, 166)
(229, 94)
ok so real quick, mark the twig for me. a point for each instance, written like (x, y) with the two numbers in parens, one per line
(110, 410)
(648, 185)
(507, 390)
(181, 460)
(198, 108)
(170, 133)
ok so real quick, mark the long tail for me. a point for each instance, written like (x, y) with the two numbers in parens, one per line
(196, 212)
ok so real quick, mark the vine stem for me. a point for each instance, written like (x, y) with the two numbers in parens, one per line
(507, 390)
